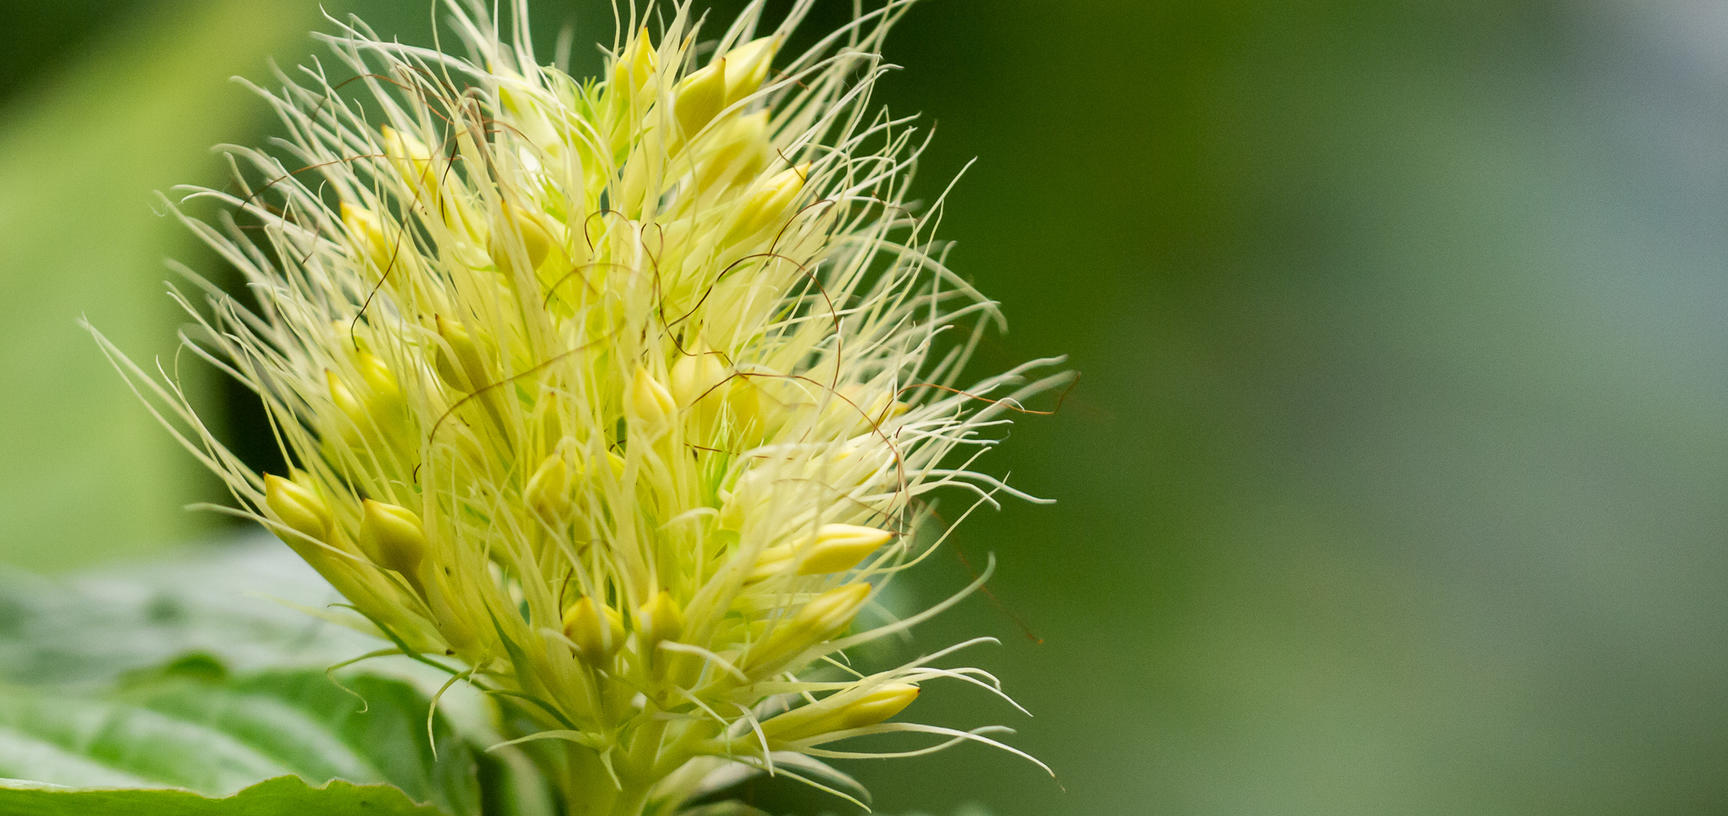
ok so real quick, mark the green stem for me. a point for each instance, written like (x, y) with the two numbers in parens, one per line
(592, 791)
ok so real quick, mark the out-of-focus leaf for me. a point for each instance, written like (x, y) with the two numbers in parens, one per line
(283, 796)
(197, 729)
(82, 153)
(243, 604)
(220, 639)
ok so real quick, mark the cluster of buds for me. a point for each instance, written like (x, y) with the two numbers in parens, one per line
(618, 398)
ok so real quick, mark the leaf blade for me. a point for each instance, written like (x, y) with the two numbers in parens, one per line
(281, 796)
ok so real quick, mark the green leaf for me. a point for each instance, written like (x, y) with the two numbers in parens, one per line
(283, 796)
(235, 602)
(195, 728)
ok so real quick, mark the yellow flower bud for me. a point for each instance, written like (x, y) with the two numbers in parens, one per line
(818, 620)
(377, 376)
(840, 547)
(596, 630)
(699, 97)
(694, 376)
(392, 536)
(738, 152)
(643, 171)
(346, 402)
(519, 235)
(297, 506)
(549, 488)
(839, 713)
(412, 161)
(658, 620)
(875, 707)
(747, 65)
(836, 548)
(771, 204)
(459, 362)
(831, 611)
(368, 236)
(636, 63)
(647, 401)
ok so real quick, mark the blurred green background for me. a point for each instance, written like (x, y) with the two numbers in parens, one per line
(1397, 482)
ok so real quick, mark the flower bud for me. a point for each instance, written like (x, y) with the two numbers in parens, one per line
(747, 65)
(518, 234)
(771, 204)
(738, 152)
(831, 611)
(658, 620)
(412, 161)
(835, 714)
(836, 548)
(647, 401)
(636, 63)
(698, 387)
(819, 620)
(392, 537)
(839, 547)
(346, 402)
(549, 488)
(875, 707)
(596, 630)
(699, 97)
(368, 236)
(458, 362)
(297, 506)
(378, 378)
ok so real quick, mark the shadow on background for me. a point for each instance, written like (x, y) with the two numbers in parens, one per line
(1398, 478)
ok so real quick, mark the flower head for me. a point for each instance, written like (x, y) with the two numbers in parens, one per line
(621, 395)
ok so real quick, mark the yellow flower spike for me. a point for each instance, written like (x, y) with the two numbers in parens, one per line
(391, 536)
(297, 506)
(771, 204)
(647, 402)
(550, 488)
(840, 547)
(699, 97)
(747, 65)
(820, 619)
(596, 629)
(841, 713)
(588, 268)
